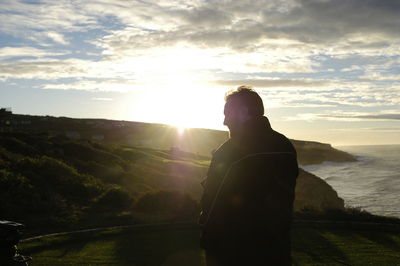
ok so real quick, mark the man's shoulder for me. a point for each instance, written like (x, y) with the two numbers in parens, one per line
(281, 142)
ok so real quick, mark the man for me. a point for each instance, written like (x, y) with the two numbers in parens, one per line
(249, 191)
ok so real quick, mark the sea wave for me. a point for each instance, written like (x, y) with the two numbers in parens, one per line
(372, 183)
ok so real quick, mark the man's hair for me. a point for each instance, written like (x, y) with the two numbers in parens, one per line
(247, 97)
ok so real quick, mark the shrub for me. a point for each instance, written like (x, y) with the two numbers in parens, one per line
(108, 173)
(17, 196)
(84, 151)
(114, 199)
(53, 176)
(171, 203)
(17, 146)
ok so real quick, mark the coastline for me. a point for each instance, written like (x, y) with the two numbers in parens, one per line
(371, 183)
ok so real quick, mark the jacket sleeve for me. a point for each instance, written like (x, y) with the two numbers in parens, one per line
(209, 190)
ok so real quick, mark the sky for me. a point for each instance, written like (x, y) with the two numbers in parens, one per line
(327, 71)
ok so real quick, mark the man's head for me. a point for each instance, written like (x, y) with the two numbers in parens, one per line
(241, 105)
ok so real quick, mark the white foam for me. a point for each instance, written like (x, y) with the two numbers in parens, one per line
(373, 182)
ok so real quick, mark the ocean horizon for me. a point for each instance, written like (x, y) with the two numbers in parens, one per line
(372, 183)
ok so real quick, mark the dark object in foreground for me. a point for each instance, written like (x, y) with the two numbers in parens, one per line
(10, 234)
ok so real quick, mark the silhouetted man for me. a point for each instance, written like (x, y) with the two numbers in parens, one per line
(248, 195)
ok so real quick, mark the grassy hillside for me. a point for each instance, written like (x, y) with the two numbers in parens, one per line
(156, 136)
(137, 134)
(52, 182)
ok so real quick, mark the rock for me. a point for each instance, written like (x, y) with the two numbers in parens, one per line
(314, 193)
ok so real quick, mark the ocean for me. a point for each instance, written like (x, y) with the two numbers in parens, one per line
(372, 183)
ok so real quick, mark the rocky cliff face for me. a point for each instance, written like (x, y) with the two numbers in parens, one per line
(314, 193)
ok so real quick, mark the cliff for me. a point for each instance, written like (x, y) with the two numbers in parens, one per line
(311, 152)
(314, 193)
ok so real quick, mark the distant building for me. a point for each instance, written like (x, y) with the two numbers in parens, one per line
(21, 123)
(72, 134)
(5, 112)
(118, 124)
(98, 137)
(5, 120)
(143, 142)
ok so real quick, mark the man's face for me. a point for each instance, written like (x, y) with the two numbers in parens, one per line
(229, 115)
(235, 115)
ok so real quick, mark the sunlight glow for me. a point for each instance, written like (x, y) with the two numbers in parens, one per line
(174, 90)
(182, 105)
(181, 130)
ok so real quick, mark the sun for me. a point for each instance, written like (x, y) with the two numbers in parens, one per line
(175, 89)
(181, 130)
(184, 106)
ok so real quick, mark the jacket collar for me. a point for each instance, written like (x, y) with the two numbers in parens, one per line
(252, 130)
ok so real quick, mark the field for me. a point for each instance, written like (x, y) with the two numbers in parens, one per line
(313, 244)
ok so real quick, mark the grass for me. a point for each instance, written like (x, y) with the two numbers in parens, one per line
(312, 245)
(326, 245)
(118, 247)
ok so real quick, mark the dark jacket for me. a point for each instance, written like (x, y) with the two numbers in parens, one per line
(248, 195)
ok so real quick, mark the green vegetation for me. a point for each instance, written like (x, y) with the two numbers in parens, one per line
(313, 244)
(52, 183)
(349, 245)
(168, 204)
(349, 214)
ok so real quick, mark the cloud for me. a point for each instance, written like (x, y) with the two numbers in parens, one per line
(239, 25)
(260, 36)
(286, 45)
(376, 76)
(57, 37)
(387, 129)
(324, 21)
(34, 20)
(338, 93)
(395, 116)
(334, 94)
(376, 129)
(353, 26)
(267, 83)
(267, 36)
(44, 68)
(206, 17)
(337, 115)
(8, 52)
(103, 99)
(96, 85)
